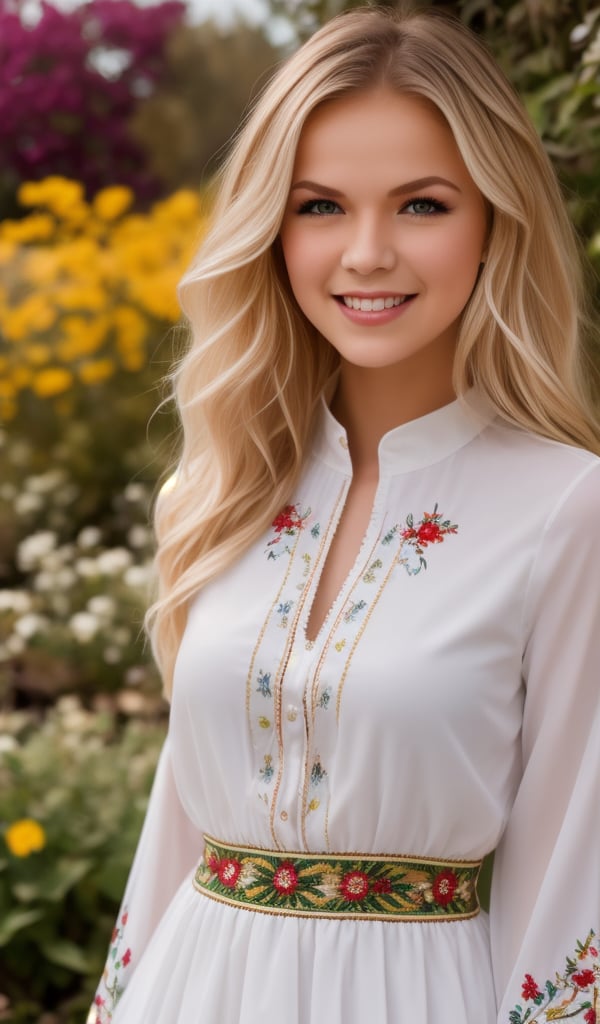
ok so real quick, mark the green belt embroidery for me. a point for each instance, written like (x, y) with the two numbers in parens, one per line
(339, 886)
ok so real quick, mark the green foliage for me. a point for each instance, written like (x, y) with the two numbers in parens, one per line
(84, 781)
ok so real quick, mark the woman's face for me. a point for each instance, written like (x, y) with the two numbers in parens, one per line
(384, 229)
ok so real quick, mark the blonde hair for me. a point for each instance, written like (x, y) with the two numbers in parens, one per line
(248, 385)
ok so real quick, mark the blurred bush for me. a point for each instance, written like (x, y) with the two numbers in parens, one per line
(70, 814)
(87, 300)
(69, 86)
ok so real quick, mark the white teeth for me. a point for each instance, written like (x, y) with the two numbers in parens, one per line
(373, 305)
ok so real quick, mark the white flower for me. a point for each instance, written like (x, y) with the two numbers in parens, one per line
(29, 625)
(137, 577)
(26, 503)
(15, 644)
(87, 567)
(579, 34)
(66, 577)
(139, 536)
(135, 675)
(114, 561)
(84, 626)
(44, 581)
(7, 743)
(33, 549)
(45, 483)
(17, 601)
(122, 637)
(102, 605)
(112, 655)
(135, 493)
(89, 537)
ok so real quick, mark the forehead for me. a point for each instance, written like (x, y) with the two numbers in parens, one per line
(378, 130)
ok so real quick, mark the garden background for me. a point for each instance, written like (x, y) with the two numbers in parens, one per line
(113, 118)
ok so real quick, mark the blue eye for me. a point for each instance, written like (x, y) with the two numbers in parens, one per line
(424, 207)
(319, 207)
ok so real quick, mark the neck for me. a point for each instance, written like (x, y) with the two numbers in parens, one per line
(369, 402)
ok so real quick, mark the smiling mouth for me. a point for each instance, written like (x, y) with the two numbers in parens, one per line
(375, 305)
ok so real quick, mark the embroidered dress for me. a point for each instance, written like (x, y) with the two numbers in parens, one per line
(448, 706)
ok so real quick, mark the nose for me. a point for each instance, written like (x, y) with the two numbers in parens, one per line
(368, 247)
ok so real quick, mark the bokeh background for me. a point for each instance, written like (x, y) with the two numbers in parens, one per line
(114, 115)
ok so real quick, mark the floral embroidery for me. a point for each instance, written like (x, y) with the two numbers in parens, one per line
(285, 879)
(112, 978)
(432, 529)
(288, 523)
(354, 610)
(575, 993)
(370, 575)
(267, 771)
(264, 684)
(345, 886)
(354, 885)
(324, 699)
(284, 608)
(444, 887)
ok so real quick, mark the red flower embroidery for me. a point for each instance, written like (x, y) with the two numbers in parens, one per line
(590, 1016)
(288, 519)
(354, 885)
(126, 957)
(124, 918)
(229, 872)
(444, 887)
(584, 978)
(99, 1001)
(429, 533)
(593, 951)
(381, 885)
(285, 879)
(115, 932)
(530, 989)
(213, 863)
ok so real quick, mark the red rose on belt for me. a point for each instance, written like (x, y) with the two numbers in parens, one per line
(444, 887)
(229, 872)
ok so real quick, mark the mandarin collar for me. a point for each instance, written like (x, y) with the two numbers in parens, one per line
(413, 445)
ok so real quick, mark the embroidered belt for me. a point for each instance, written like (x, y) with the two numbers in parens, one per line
(340, 886)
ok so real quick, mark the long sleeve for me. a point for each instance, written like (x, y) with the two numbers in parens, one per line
(169, 847)
(545, 903)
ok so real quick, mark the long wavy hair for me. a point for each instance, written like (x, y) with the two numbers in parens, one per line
(247, 387)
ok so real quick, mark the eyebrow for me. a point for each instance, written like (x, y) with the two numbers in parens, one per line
(408, 186)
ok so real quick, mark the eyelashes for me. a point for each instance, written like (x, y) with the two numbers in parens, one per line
(419, 206)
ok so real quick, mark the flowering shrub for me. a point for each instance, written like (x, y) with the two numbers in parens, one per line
(70, 84)
(75, 619)
(88, 289)
(72, 797)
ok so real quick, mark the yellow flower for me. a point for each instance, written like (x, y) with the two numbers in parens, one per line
(38, 227)
(52, 381)
(81, 296)
(37, 355)
(59, 195)
(96, 372)
(24, 837)
(111, 203)
(182, 206)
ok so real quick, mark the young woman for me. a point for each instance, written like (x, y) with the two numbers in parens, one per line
(379, 608)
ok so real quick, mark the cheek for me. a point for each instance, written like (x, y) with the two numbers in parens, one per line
(453, 258)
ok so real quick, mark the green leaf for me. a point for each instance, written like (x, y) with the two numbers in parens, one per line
(66, 954)
(27, 892)
(62, 877)
(15, 922)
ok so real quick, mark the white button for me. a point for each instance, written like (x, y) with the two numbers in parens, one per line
(292, 713)
(284, 816)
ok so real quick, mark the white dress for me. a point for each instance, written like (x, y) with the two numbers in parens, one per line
(448, 707)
